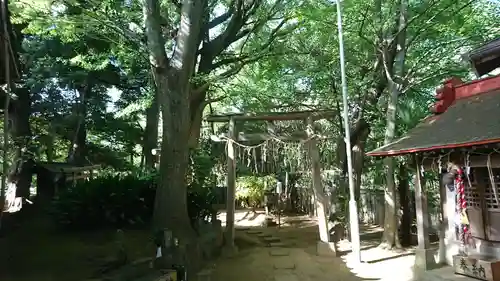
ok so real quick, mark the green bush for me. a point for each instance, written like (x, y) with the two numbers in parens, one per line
(121, 201)
(106, 201)
(252, 188)
(128, 200)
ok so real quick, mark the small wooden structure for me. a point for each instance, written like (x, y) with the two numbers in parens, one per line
(309, 137)
(485, 58)
(53, 177)
(462, 141)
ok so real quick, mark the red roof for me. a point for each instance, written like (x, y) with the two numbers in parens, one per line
(469, 116)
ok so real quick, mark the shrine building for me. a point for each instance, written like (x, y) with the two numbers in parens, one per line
(461, 141)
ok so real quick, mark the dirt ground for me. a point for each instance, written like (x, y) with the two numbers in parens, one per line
(288, 253)
(293, 255)
(35, 251)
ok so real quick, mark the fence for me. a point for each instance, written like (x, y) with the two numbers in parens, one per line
(372, 208)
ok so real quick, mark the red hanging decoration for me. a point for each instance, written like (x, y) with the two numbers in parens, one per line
(465, 234)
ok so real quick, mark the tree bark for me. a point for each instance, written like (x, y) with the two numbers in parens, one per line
(404, 188)
(21, 169)
(78, 149)
(394, 73)
(196, 107)
(359, 135)
(172, 81)
(150, 141)
(358, 159)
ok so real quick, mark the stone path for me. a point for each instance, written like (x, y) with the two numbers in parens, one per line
(279, 261)
(289, 254)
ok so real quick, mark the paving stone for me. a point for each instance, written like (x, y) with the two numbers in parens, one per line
(142, 260)
(254, 232)
(271, 239)
(204, 275)
(286, 276)
(284, 263)
(242, 228)
(279, 252)
(277, 244)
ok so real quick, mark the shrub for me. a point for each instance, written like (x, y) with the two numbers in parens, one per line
(252, 188)
(113, 200)
(106, 201)
(121, 201)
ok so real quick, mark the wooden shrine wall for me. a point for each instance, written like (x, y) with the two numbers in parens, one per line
(483, 204)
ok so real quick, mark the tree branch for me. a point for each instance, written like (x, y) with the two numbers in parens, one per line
(220, 19)
(361, 28)
(421, 29)
(233, 32)
(409, 22)
(419, 61)
(177, 4)
(249, 58)
(155, 41)
(188, 39)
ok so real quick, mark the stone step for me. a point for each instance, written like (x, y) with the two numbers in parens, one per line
(277, 244)
(168, 275)
(254, 232)
(284, 263)
(204, 275)
(271, 239)
(279, 252)
(242, 228)
(262, 235)
(286, 276)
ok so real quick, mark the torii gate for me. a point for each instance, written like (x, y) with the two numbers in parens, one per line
(321, 202)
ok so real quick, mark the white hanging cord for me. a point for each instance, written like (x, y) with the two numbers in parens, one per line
(242, 145)
(264, 142)
(492, 178)
(249, 157)
(467, 169)
(422, 171)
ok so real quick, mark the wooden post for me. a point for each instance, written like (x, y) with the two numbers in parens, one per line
(287, 192)
(443, 224)
(424, 257)
(231, 186)
(320, 200)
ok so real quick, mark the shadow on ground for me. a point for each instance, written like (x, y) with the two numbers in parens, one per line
(285, 253)
(35, 251)
(293, 256)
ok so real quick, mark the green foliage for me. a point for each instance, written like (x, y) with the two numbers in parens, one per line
(201, 184)
(70, 44)
(127, 199)
(252, 188)
(107, 201)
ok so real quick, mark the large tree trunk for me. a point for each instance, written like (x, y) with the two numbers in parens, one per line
(196, 107)
(18, 180)
(394, 76)
(404, 188)
(19, 176)
(172, 80)
(151, 132)
(359, 135)
(78, 150)
(358, 151)
(22, 167)
(49, 145)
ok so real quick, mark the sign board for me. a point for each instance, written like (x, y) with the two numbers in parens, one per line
(482, 268)
(279, 187)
